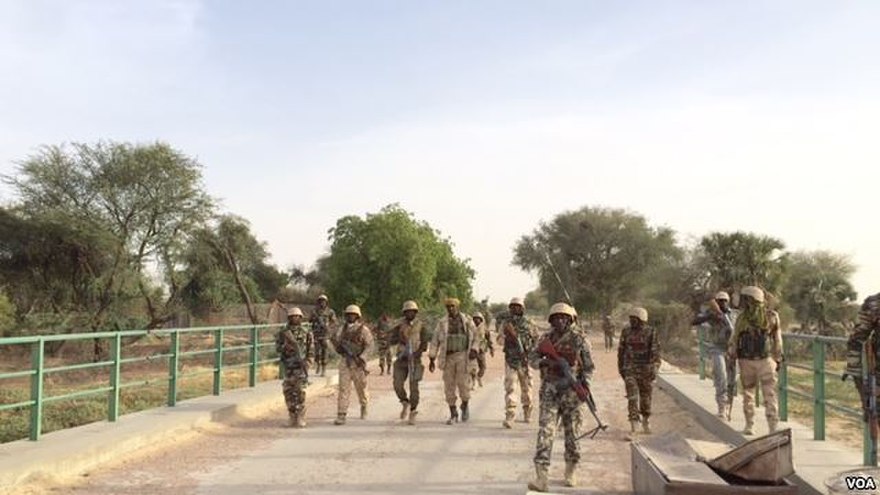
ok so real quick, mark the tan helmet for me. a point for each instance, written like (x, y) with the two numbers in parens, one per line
(452, 301)
(754, 292)
(516, 301)
(722, 296)
(294, 312)
(410, 305)
(640, 313)
(561, 308)
(353, 309)
(478, 315)
(323, 296)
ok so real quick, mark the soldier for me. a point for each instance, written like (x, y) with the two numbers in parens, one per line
(718, 322)
(477, 367)
(517, 334)
(865, 338)
(558, 401)
(411, 339)
(638, 360)
(451, 346)
(350, 343)
(608, 330)
(381, 333)
(323, 321)
(296, 348)
(757, 347)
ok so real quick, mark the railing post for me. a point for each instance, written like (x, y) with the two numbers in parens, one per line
(702, 346)
(173, 366)
(218, 360)
(116, 355)
(37, 355)
(783, 386)
(252, 371)
(818, 389)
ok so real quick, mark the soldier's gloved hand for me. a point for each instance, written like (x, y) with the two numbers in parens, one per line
(431, 366)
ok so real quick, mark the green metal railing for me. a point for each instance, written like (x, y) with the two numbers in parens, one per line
(38, 370)
(817, 397)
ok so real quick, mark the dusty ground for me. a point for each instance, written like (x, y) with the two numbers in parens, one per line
(380, 455)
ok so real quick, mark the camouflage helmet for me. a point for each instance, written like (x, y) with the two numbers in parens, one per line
(754, 292)
(561, 308)
(516, 301)
(640, 313)
(410, 306)
(869, 312)
(294, 312)
(722, 296)
(353, 309)
(479, 315)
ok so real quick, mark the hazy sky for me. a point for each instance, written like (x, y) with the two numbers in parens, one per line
(481, 117)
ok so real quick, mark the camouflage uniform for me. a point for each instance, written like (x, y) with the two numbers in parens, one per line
(413, 333)
(865, 338)
(358, 338)
(477, 366)
(638, 360)
(608, 330)
(514, 367)
(295, 346)
(381, 334)
(323, 323)
(451, 344)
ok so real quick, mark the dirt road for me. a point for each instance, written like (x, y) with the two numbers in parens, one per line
(381, 455)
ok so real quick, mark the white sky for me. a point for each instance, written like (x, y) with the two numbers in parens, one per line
(482, 118)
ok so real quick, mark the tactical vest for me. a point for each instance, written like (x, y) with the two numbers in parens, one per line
(296, 336)
(568, 346)
(638, 345)
(456, 336)
(352, 338)
(321, 322)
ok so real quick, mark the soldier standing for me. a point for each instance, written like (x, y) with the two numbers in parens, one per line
(558, 401)
(451, 346)
(381, 333)
(350, 343)
(757, 347)
(608, 330)
(517, 334)
(323, 321)
(410, 338)
(638, 360)
(718, 322)
(865, 338)
(295, 346)
(477, 367)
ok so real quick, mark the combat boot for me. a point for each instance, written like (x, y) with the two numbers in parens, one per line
(340, 419)
(453, 415)
(722, 410)
(323, 369)
(772, 425)
(291, 420)
(633, 426)
(381, 369)
(527, 414)
(749, 429)
(508, 420)
(412, 417)
(364, 411)
(646, 426)
(480, 381)
(465, 414)
(570, 475)
(404, 409)
(540, 483)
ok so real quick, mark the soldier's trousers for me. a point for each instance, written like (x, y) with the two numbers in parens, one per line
(385, 358)
(753, 372)
(719, 374)
(639, 387)
(524, 378)
(455, 376)
(609, 341)
(477, 367)
(401, 379)
(294, 388)
(562, 406)
(351, 374)
(321, 351)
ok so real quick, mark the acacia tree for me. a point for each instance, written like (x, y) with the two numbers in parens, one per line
(601, 256)
(385, 258)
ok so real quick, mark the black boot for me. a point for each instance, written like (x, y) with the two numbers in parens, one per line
(464, 411)
(453, 415)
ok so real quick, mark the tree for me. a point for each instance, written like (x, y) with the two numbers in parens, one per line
(742, 258)
(388, 257)
(601, 256)
(819, 289)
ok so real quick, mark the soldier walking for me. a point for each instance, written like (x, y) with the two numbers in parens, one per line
(350, 343)
(477, 366)
(323, 321)
(451, 345)
(558, 401)
(295, 346)
(517, 334)
(638, 361)
(409, 337)
(865, 338)
(381, 333)
(718, 322)
(608, 330)
(757, 347)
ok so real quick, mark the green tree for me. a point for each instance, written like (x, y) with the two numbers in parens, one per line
(742, 258)
(602, 256)
(385, 258)
(818, 288)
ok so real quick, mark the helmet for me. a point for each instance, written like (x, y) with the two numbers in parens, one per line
(294, 312)
(870, 309)
(722, 296)
(478, 315)
(516, 301)
(640, 313)
(754, 292)
(410, 305)
(561, 308)
(452, 301)
(323, 296)
(353, 309)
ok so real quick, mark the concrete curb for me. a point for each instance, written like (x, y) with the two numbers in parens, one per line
(64, 454)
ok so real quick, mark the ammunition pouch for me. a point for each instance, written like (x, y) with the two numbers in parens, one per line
(752, 345)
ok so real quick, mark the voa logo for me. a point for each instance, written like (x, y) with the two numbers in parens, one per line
(860, 482)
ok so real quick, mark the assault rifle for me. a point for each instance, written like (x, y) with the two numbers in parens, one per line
(344, 347)
(545, 348)
(297, 359)
(511, 335)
